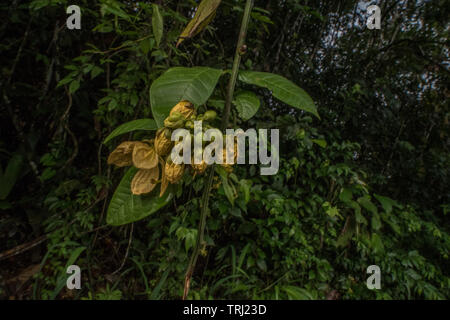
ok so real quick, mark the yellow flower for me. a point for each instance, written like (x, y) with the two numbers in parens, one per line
(144, 181)
(174, 172)
(184, 107)
(144, 156)
(163, 145)
(122, 155)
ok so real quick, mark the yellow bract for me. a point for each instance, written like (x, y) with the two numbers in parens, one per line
(163, 145)
(184, 107)
(173, 172)
(144, 156)
(121, 156)
(144, 181)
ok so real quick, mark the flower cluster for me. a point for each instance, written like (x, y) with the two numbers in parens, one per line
(150, 155)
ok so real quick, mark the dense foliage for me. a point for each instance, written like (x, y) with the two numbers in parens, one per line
(367, 183)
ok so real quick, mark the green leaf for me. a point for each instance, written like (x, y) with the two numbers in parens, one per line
(377, 243)
(345, 195)
(155, 293)
(296, 293)
(157, 24)
(367, 204)
(203, 16)
(176, 84)
(9, 178)
(376, 221)
(74, 85)
(218, 104)
(113, 7)
(281, 88)
(320, 142)
(140, 124)
(126, 207)
(247, 104)
(387, 203)
(95, 72)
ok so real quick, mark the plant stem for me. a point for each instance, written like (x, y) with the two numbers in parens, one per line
(226, 115)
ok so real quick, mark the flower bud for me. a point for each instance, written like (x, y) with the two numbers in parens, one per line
(189, 124)
(172, 123)
(209, 115)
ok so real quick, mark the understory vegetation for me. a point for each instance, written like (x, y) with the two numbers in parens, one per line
(364, 150)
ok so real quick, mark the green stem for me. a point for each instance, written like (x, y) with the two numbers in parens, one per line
(226, 115)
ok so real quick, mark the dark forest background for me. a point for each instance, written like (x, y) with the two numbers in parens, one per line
(376, 193)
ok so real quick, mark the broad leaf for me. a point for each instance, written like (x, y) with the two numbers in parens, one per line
(296, 293)
(140, 124)
(281, 88)
(387, 203)
(247, 104)
(157, 24)
(126, 207)
(176, 84)
(345, 195)
(320, 142)
(203, 16)
(368, 204)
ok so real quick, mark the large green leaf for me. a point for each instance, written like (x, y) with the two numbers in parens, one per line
(157, 24)
(140, 124)
(281, 88)
(193, 84)
(126, 207)
(247, 104)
